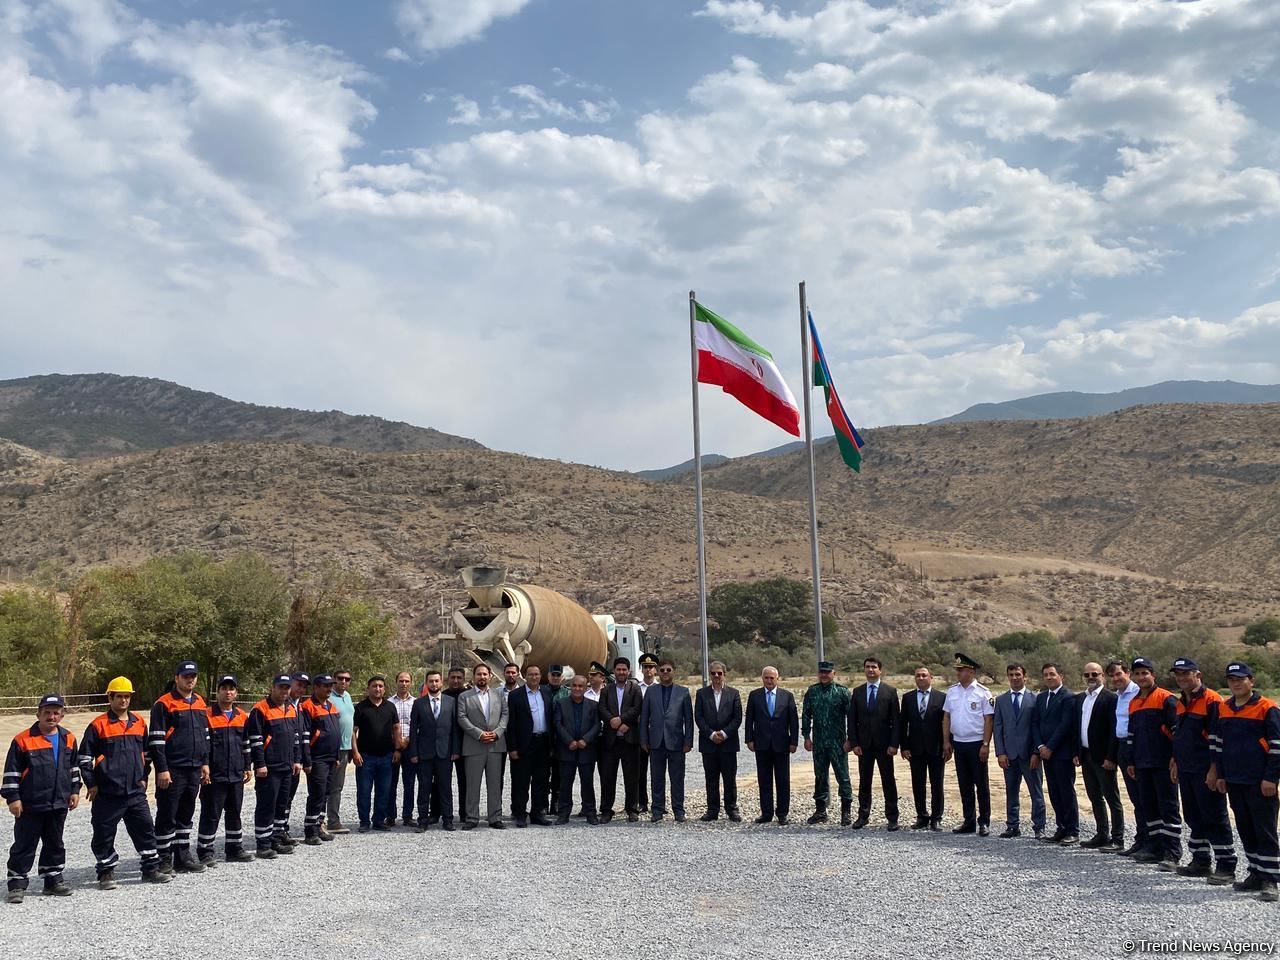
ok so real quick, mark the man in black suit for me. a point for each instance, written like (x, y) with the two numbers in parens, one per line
(577, 721)
(717, 713)
(772, 733)
(1054, 734)
(620, 703)
(434, 743)
(1095, 723)
(873, 737)
(920, 723)
(530, 739)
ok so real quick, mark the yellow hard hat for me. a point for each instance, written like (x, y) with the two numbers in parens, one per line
(120, 685)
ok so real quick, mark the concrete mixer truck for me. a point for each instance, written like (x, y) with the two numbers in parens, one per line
(508, 623)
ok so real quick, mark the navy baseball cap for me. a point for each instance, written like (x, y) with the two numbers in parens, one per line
(228, 680)
(1142, 662)
(186, 668)
(301, 677)
(51, 700)
(1237, 669)
(1184, 663)
(282, 680)
(326, 678)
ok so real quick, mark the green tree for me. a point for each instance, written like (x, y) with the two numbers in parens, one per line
(330, 626)
(1262, 632)
(1027, 641)
(777, 612)
(33, 636)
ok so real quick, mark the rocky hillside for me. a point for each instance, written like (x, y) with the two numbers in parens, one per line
(101, 414)
(1179, 491)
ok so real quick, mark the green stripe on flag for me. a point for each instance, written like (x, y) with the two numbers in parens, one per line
(849, 453)
(729, 331)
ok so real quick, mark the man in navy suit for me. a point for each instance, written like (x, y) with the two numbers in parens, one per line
(666, 735)
(920, 718)
(772, 731)
(434, 743)
(873, 736)
(717, 713)
(530, 745)
(1016, 753)
(1053, 730)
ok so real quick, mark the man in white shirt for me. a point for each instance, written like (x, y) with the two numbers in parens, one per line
(401, 772)
(967, 726)
(1096, 740)
(648, 680)
(1125, 690)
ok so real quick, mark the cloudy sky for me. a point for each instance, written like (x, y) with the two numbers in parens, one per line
(485, 215)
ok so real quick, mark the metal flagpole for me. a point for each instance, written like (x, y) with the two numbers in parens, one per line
(806, 367)
(697, 487)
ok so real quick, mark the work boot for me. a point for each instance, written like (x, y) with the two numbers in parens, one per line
(282, 848)
(1268, 893)
(208, 859)
(325, 835)
(265, 853)
(313, 840)
(182, 863)
(846, 812)
(166, 865)
(107, 881)
(156, 876)
(1221, 876)
(1196, 868)
(819, 815)
(15, 896)
(57, 889)
(1252, 883)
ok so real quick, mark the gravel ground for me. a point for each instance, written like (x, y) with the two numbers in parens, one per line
(668, 890)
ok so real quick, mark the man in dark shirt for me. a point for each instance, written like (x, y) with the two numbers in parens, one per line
(373, 751)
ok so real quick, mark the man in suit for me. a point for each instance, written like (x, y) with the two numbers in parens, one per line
(434, 743)
(1095, 722)
(921, 740)
(1016, 753)
(772, 733)
(530, 747)
(1053, 731)
(577, 734)
(717, 713)
(482, 715)
(666, 735)
(620, 703)
(873, 737)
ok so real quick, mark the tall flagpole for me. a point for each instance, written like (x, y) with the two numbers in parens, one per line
(806, 367)
(697, 486)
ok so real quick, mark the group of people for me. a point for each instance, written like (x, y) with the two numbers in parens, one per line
(1184, 755)
(1196, 747)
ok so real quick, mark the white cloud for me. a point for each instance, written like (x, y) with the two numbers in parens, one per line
(435, 25)
(396, 55)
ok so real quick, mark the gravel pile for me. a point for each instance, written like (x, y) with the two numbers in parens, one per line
(658, 890)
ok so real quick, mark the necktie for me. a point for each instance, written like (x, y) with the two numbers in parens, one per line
(1017, 703)
(871, 696)
(769, 697)
(435, 708)
(922, 703)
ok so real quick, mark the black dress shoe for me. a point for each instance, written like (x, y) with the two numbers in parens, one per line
(734, 816)
(762, 819)
(709, 816)
(1070, 840)
(498, 825)
(521, 822)
(893, 827)
(593, 820)
(562, 819)
(606, 817)
(633, 818)
(469, 825)
(1094, 842)
(1055, 837)
(420, 828)
(539, 821)
(783, 821)
(1130, 850)
(680, 818)
(922, 823)
(859, 824)
(1011, 833)
(965, 828)
(447, 826)
(935, 826)
(984, 831)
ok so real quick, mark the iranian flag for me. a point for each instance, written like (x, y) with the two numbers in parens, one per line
(731, 360)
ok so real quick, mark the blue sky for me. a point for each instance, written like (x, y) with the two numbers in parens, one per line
(485, 215)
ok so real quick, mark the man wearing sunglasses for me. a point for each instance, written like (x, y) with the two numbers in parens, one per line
(666, 735)
(1096, 732)
(718, 714)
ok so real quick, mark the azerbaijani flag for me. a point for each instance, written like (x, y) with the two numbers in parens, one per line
(846, 434)
(731, 360)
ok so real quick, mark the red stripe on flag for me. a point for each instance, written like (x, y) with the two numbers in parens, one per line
(743, 386)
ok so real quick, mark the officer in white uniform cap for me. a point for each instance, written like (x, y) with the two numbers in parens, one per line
(967, 721)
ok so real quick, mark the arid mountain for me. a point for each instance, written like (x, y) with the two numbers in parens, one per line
(1151, 517)
(1182, 491)
(101, 414)
(1055, 406)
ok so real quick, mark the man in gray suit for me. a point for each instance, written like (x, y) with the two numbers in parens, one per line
(433, 746)
(666, 735)
(482, 717)
(1016, 754)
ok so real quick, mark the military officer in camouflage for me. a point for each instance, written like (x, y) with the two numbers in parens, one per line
(823, 724)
